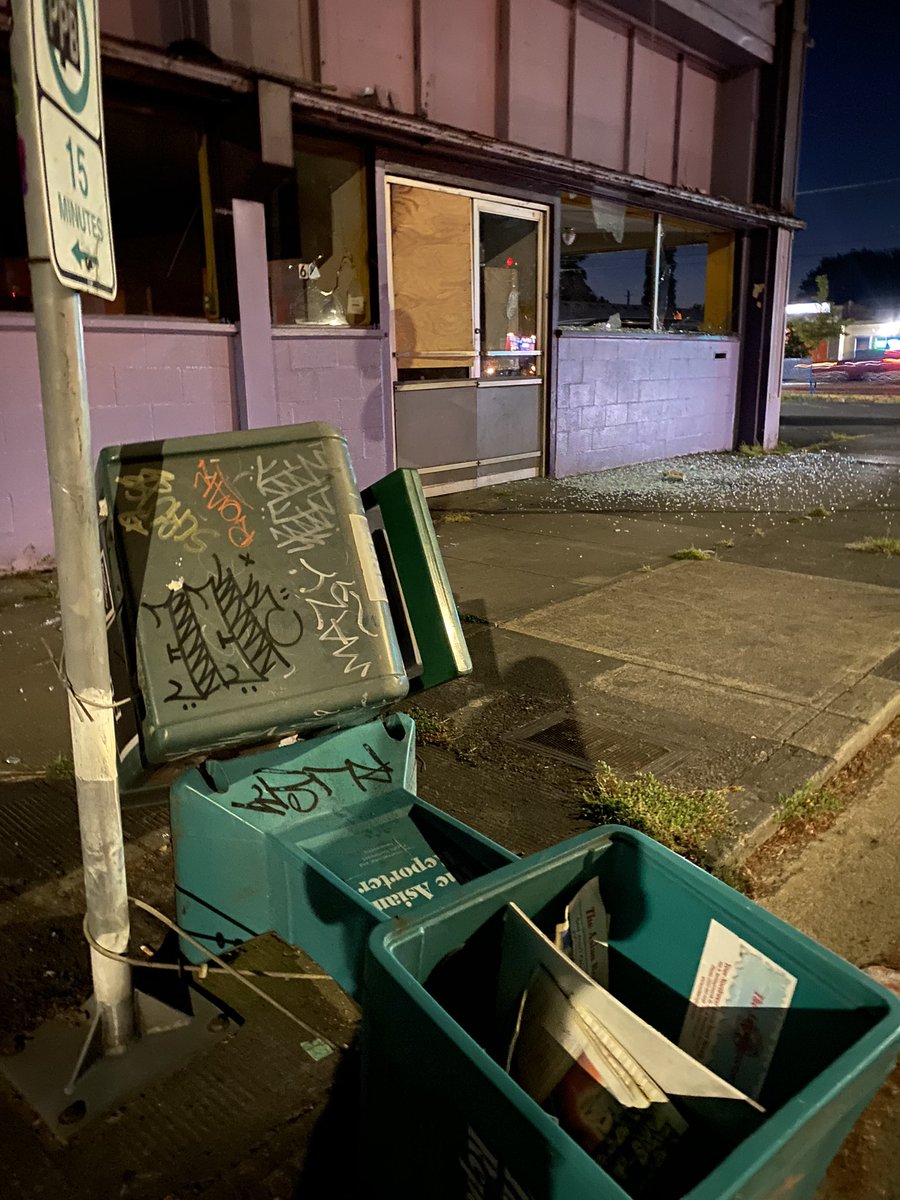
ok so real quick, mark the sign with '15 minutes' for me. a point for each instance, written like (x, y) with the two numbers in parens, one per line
(65, 163)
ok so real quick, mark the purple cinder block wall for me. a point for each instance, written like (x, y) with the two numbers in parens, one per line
(337, 377)
(632, 399)
(145, 380)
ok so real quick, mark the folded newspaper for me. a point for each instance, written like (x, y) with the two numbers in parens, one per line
(600, 1069)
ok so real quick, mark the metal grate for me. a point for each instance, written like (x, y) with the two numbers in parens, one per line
(585, 743)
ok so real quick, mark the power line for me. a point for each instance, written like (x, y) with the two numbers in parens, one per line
(847, 187)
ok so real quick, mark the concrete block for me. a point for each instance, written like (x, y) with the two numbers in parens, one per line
(146, 386)
(579, 441)
(569, 369)
(112, 426)
(207, 385)
(101, 387)
(120, 349)
(182, 420)
(177, 349)
(310, 352)
(579, 394)
(618, 414)
(220, 350)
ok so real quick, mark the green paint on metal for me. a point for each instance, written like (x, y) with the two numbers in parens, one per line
(244, 581)
(423, 577)
(319, 841)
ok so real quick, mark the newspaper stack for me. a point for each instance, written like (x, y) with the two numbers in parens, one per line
(604, 1073)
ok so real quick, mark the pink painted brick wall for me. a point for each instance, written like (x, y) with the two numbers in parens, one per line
(146, 380)
(626, 400)
(338, 378)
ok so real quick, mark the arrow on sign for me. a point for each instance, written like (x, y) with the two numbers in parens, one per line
(82, 257)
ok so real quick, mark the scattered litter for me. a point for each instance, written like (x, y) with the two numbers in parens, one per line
(175, 585)
(13, 761)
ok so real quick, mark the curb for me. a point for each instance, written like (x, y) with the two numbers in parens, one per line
(753, 838)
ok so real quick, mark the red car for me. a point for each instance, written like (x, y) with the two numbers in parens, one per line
(877, 366)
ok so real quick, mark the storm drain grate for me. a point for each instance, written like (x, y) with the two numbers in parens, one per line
(585, 743)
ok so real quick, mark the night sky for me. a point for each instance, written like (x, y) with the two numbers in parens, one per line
(851, 117)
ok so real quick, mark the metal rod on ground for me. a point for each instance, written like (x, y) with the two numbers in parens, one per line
(57, 314)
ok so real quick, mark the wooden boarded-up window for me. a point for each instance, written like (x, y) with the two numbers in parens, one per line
(431, 237)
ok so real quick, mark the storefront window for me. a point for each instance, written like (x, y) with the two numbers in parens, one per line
(626, 268)
(696, 268)
(153, 163)
(153, 169)
(318, 234)
(606, 268)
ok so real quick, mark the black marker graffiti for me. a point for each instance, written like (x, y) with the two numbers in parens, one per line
(225, 634)
(278, 791)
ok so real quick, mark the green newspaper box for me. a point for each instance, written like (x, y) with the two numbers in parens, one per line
(440, 984)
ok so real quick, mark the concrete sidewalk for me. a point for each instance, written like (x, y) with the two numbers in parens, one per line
(761, 668)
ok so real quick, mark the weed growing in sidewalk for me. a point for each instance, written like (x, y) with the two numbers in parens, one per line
(458, 517)
(876, 545)
(694, 553)
(726, 543)
(60, 769)
(688, 822)
(819, 512)
(757, 451)
(430, 729)
(808, 806)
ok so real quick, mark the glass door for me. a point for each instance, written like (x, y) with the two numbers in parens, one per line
(508, 333)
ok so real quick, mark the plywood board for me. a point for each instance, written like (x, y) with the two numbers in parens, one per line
(431, 246)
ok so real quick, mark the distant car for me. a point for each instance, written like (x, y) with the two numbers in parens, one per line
(876, 366)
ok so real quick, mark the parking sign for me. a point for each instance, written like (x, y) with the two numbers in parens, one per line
(66, 170)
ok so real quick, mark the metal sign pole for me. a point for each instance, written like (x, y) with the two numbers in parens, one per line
(57, 315)
(56, 63)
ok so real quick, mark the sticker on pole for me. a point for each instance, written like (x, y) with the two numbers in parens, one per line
(72, 166)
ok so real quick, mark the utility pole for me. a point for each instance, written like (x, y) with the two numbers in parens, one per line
(56, 65)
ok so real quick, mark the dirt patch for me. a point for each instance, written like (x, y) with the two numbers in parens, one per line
(767, 868)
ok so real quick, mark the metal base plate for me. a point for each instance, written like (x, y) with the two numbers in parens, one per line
(43, 1073)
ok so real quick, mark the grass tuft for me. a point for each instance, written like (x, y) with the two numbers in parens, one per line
(808, 805)
(688, 822)
(60, 769)
(726, 543)
(457, 517)
(876, 545)
(819, 511)
(746, 450)
(694, 553)
(430, 729)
